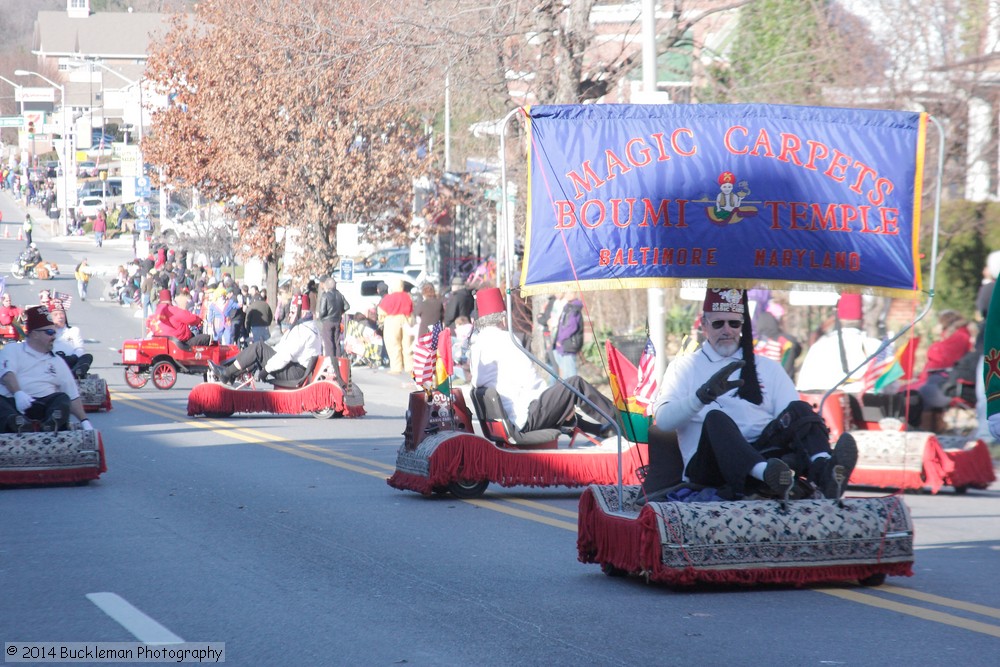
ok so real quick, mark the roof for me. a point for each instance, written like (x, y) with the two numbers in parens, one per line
(103, 34)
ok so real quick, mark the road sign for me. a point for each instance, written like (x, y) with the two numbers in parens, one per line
(346, 270)
(142, 186)
(143, 224)
(142, 209)
(11, 121)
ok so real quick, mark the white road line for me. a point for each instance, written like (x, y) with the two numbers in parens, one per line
(141, 626)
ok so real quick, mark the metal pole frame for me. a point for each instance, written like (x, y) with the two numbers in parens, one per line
(505, 235)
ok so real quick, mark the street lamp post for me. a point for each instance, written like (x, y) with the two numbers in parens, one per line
(64, 209)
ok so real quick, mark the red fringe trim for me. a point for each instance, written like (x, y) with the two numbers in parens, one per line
(210, 397)
(971, 466)
(353, 411)
(406, 481)
(470, 457)
(632, 544)
(62, 476)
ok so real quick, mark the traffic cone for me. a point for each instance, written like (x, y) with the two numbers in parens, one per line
(6, 231)
(20, 234)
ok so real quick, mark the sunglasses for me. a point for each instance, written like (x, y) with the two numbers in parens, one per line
(733, 324)
(48, 332)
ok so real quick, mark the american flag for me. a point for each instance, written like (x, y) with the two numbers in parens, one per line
(878, 366)
(646, 383)
(65, 299)
(425, 356)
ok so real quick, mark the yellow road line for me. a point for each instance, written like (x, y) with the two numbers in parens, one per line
(504, 509)
(911, 610)
(254, 437)
(971, 607)
(543, 507)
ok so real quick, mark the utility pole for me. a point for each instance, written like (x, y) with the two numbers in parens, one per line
(655, 296)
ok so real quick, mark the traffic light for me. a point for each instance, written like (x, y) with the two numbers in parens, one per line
(31, 127)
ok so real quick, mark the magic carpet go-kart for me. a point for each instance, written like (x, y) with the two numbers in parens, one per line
(163, 357)
(72, 456)
(324, 391)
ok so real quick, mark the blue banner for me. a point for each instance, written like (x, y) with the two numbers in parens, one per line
(787, 197)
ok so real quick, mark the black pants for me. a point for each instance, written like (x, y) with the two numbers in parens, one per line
(78, 364)
(724, 457)
(256, 355)
(330, 334)
(557, 403)
(40, 410)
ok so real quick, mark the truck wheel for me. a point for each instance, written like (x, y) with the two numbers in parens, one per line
(136, 377)
(164, 374)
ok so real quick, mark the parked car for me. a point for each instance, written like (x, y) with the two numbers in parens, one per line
(88, 207)
(112, 187)
(95, 139)
(391, 259)
(362, 292)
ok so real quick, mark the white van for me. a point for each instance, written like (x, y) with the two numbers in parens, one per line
(362, 292)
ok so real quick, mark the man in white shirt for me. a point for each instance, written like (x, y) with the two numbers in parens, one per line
(69, 342)
(288, 360)
(36, 385)
(758, 438)
(839, 351)
(496, 361)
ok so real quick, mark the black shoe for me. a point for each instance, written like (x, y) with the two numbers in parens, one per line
(779, 478)
(52, 423)
(221, 373)
(831, 474)
(80, 370)
(18, 424)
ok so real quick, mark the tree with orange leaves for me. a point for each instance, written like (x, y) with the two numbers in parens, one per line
(297, 115)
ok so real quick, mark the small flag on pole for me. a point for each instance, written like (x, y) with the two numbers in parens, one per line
(646, 383)
(425, 354)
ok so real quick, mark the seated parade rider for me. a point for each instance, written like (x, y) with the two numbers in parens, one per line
(69, 342)
(35, 384)
(30, 256)
(286, 361)
(170, 320)
(496, 361)
(758, 438)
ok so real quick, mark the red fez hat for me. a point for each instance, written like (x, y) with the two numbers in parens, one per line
(164, 296)
(37, 317)
(849, 307)
(727, 177)
(489, 301)
(724, 300)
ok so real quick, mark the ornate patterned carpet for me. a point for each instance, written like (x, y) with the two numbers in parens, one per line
(47, 458)
(748, 541)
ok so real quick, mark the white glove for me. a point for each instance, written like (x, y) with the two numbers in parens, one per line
(22, 401)
(87, 426)
(994, 422)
